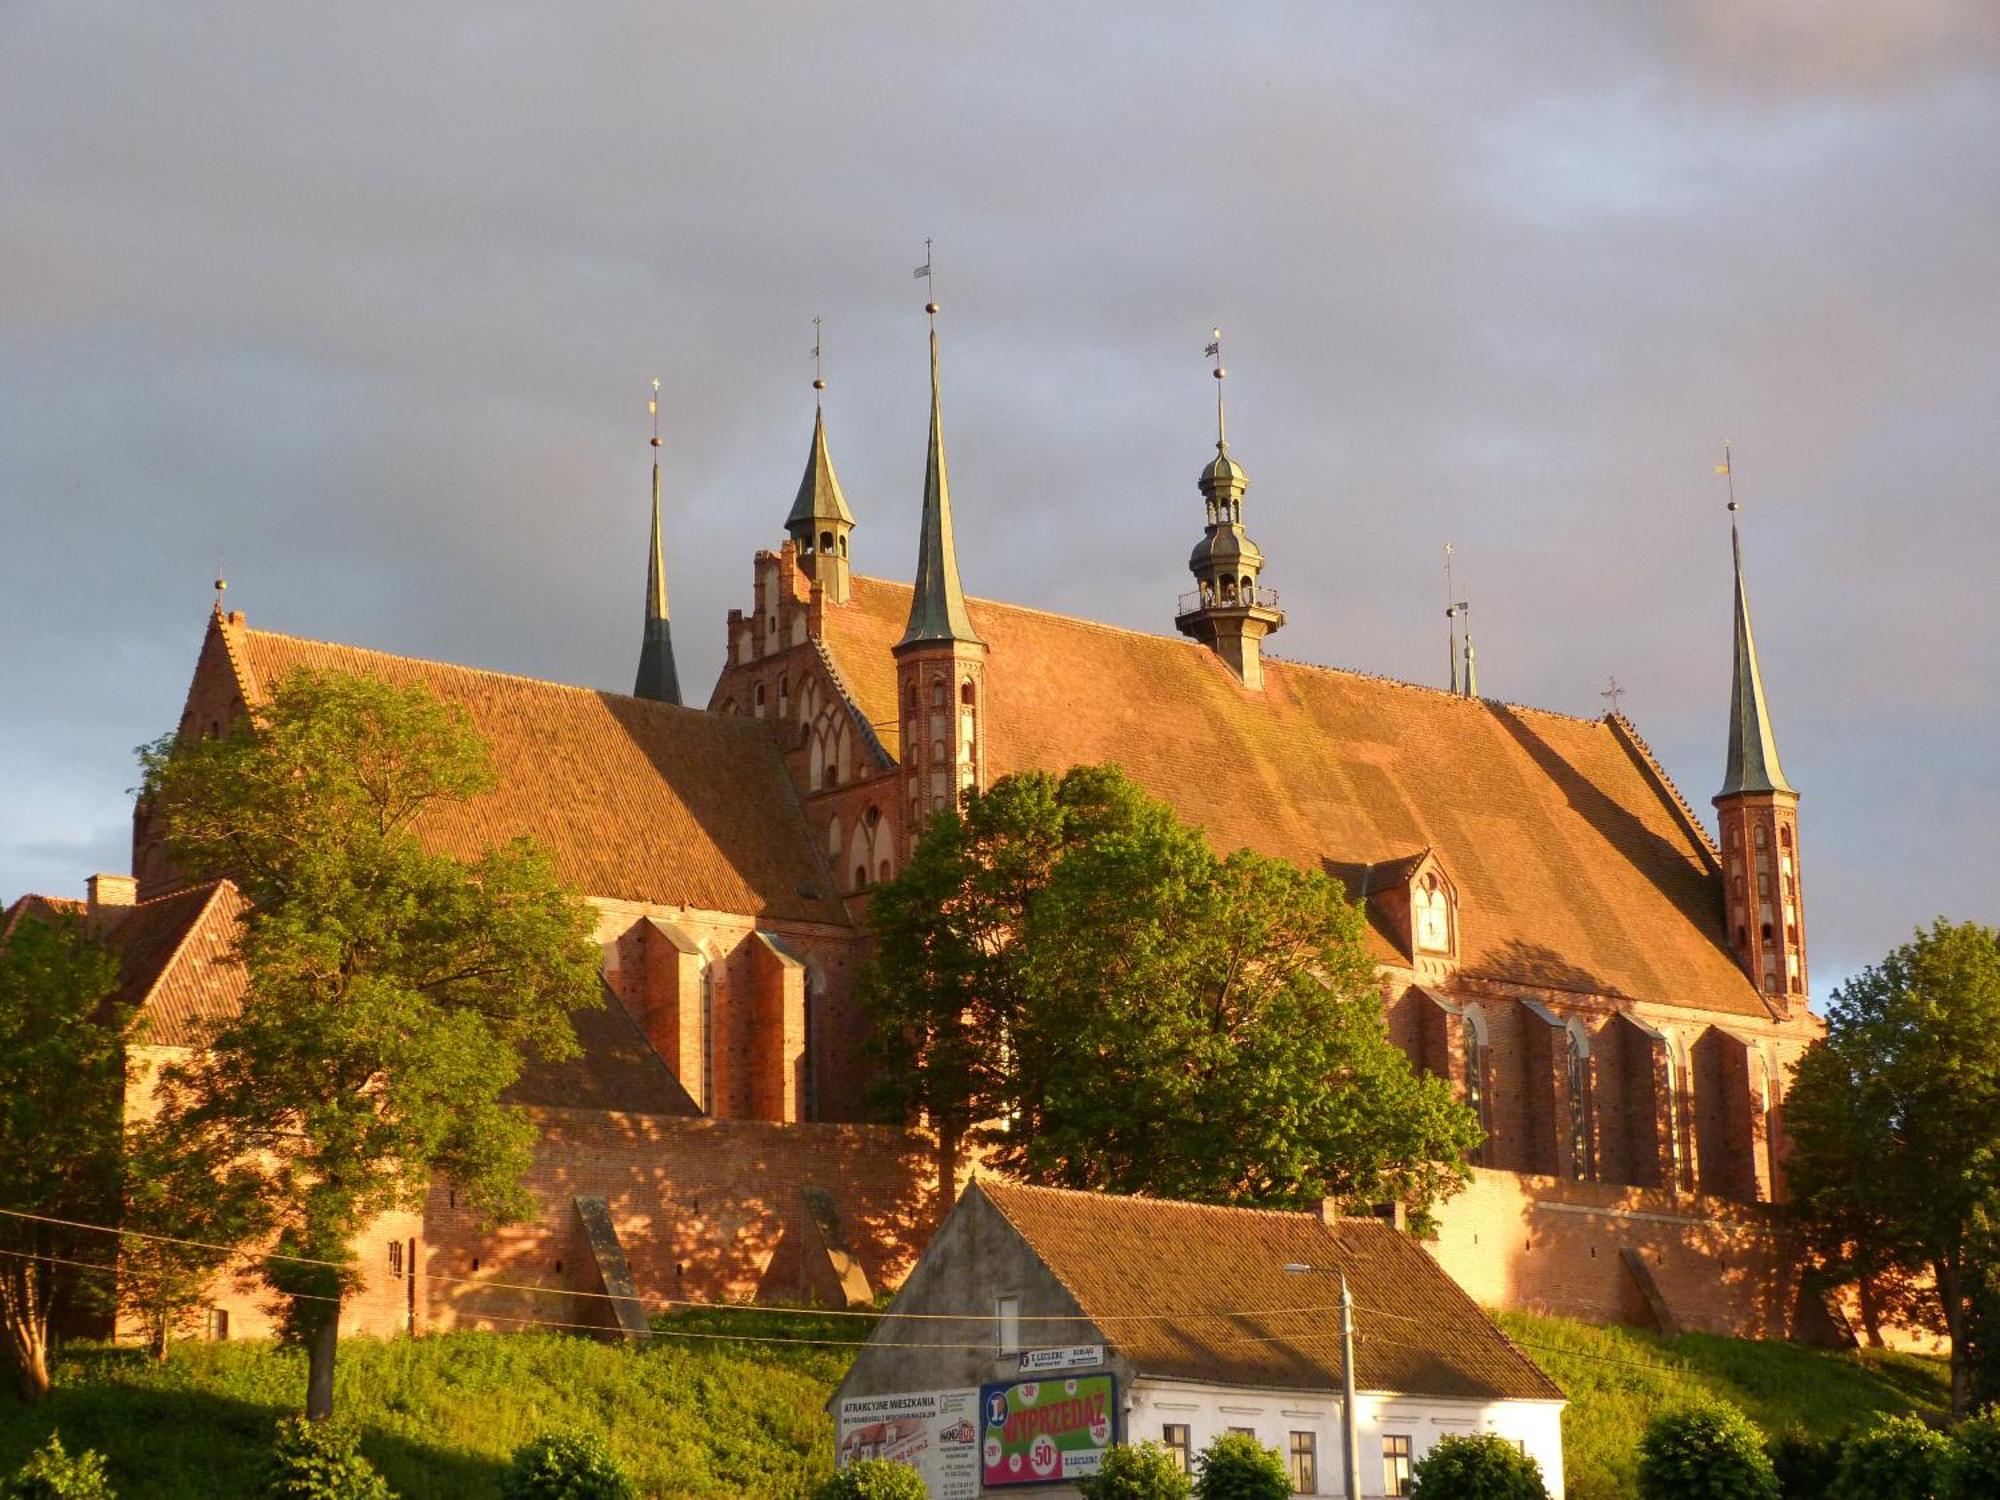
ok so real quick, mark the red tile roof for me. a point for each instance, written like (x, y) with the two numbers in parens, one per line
(1575, 864)
(1235, 1316)
(634, 800)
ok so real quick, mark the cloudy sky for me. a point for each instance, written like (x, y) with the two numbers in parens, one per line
(362, 301)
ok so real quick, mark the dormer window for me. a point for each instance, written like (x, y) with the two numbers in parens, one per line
(1430, 913)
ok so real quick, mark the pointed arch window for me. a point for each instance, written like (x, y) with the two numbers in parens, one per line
(1476, 1060)
(1431, 915)
(1578, 1066)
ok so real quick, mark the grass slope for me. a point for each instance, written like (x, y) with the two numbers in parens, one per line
(1618, 1378)
(705, 1413)
(689, 1415)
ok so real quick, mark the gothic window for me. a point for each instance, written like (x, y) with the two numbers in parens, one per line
(1673, 1085)
(708, 1038)
(937, 751)
(1432, 910)
(1785, 837)
(833, 835)
(760, 700)
(1473, 1045)
(1763, 836)
(937, 693)
(911, 697)
(809, 1079)
(861, 877)
(784, 696)
(966, 693)
(1579, 1104)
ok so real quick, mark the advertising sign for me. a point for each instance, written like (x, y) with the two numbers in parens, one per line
(1043, 1431)
(932, 1431)
(1075, 1357)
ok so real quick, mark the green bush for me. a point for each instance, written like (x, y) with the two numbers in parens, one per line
(1706, 1452)
(1144, 1471)
(874, 1479)
(1972, 1472)
(1805, 1466)
(1238, 1467)
(321, 1461)
(51, 1474)
(1477, 1466)
(1900, 1460)
(565, 1466)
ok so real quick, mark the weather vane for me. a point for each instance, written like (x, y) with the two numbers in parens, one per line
(925, 274)
(1213, 350)
(653, 410)
(819, 375)
(1727, 469)
(1615, 695)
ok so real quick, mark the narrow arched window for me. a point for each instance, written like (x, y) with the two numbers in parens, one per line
(967, 694)
(826, 541)
(937, 693)
(1579, 1106)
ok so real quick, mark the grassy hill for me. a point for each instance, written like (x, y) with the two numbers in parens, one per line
(704, 1415)
(1617, 1378)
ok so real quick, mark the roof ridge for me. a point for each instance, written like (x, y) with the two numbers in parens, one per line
(1151, 1201)
(453, 666)
(1289, 661)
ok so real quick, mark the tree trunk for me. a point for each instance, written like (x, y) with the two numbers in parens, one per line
(1951, 1292)
(24, 1324)
(321, 1343)
(1871, 1312)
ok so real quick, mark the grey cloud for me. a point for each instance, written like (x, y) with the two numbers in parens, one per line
(364, 301)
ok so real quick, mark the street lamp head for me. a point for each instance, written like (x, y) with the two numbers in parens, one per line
(1298, 1268)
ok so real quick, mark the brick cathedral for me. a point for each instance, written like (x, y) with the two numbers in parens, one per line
(1618, 992)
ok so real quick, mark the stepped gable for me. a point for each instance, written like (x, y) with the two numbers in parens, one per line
(1574, 865)
(1236, 1317)
(634, 800)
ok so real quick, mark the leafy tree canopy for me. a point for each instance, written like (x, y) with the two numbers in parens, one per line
(395, 991)
(1238, 1467)
(1138, 1471)
(1068, 977)
(1477, 1466)
(62, 1058)
(1705, 1452)
(1896, 1121)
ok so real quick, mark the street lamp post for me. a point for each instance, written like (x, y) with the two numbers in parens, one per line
(1350, 1427)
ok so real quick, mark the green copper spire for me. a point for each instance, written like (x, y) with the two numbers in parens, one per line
(820, 506)
(937, 603)
(1753, 748)
(657, 679)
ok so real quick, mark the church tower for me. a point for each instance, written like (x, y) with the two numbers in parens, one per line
(820, 520)
(657, 678)
(940, 661)
(1757, 811)
(1229, 611)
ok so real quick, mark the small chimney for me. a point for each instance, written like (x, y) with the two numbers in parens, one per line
(109, 898)
(1330, 1212)
(1397, 1216)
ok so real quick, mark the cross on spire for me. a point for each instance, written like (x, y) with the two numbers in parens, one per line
(1613, 694)
(1214, 352)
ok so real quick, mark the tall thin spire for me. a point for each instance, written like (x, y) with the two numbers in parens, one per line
(820, 520)
(937, 602)
(657, 679)
(1752, 764)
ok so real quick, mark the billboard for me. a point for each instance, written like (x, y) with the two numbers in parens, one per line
(931, 1431)
(1044, 1431)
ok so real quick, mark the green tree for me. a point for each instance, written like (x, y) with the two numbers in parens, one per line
(1896, 1121)
(873, 1479)
(1238, 1467)
(53, 1474)
(321, 1461)
(395, 991)
(565, 1466)
(1140, 1471)
(1706, 1452)
(62, 1082)
(1972, 1468)
(1476, 1466)
(1901, 1459)
(1068, 977)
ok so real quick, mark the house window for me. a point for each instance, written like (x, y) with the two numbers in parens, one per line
(1395, 1463)
(1178, 1439)
(1007, 1315)
(1249, 1432)
(1304, 1460)
(395, 1257)
(218, 1324)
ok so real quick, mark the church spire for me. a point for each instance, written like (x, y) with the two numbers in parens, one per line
(937, 602)
(1230, 612)
(657, 679)
(1757, 817)
(820, 520)
(1752, 764)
